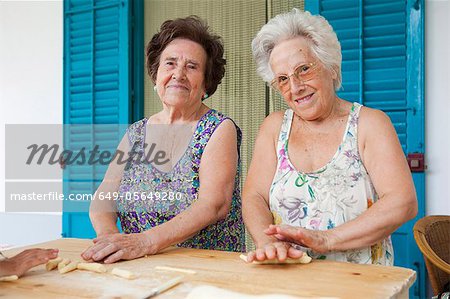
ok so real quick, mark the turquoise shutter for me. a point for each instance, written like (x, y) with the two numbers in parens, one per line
(382, 67)
(96, 96)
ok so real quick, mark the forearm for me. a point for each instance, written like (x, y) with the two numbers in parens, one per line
(104, 222)
(6, 269)
(184, 226)
(257, 218)
(102, 213)
(103, 217)
(374, 225)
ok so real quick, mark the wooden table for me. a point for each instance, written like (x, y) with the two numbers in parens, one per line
(217, 268)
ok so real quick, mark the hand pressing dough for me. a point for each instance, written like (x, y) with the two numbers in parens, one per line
(52, 264)
(63, 263)
(94, 267)
(304, 259)
(9, 278)
(123, 273)
(70, 267)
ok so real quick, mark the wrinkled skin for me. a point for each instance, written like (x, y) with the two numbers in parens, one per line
(22, 262)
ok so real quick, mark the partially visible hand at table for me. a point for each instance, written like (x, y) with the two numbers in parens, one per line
(318, 241)
(114, 247)
(274, 250)
(22, 262)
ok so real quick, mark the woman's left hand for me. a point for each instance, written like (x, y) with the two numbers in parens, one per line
(318, 241)
(115, 247)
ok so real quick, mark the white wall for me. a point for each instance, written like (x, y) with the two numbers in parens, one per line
(31, 45)
(437, 105)
(31, 52)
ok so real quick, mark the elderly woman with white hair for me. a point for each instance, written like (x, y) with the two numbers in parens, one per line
(327, 176)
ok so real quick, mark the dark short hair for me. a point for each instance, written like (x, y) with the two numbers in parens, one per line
(195, 29)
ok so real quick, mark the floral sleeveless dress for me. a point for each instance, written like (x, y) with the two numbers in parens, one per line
(161, 196)
(334, 194)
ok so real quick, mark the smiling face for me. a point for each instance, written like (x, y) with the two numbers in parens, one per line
(311, 99)
(180, 80)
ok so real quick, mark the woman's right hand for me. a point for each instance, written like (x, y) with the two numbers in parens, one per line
(274, 250)
(114, 247)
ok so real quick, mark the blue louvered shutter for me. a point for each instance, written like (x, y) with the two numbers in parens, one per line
(96, 96)
(382, 68)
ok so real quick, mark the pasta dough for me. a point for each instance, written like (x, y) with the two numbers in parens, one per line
(52, 264)
(123, 273)
(94, 267)
(304, 259)
(68, 268)
(175, 269)
(63, 263)
(9, 278)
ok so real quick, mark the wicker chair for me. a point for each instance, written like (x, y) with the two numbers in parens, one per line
(432, 234)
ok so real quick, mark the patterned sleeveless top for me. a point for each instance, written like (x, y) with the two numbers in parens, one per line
(334, 194)
(168, 194)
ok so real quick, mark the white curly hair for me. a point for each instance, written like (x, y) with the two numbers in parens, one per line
(324, 43)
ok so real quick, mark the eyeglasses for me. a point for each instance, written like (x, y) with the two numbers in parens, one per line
(304, 72)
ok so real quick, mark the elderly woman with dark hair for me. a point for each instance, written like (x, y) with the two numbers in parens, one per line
(193, 198)
(328, 176)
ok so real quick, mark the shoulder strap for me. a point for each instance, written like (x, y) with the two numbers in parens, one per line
(136, 134)
(206, 127)
(285, 129)
(354, 116)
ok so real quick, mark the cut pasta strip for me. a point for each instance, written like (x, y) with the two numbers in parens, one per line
(94, 267)
(68, 268)
(63, 263)
(188, 271)
(52, 264)
(123, 273)
(9, 278)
